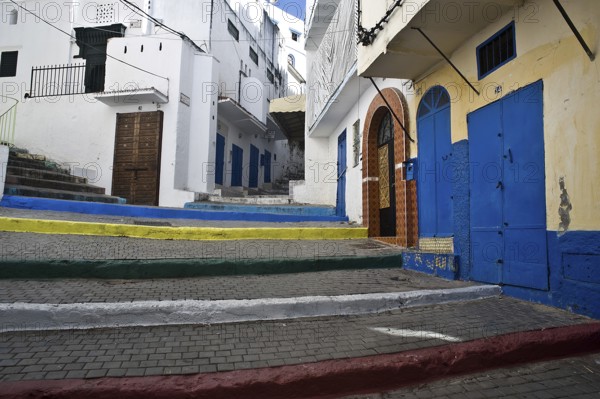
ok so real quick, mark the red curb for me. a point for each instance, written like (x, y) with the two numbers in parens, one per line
(332, 378)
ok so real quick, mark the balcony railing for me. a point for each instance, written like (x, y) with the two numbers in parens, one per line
(8, 120)
(65, 80)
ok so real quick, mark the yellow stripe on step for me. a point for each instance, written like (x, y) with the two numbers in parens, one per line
(44, 226)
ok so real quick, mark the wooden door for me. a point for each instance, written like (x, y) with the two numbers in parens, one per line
(136, 165)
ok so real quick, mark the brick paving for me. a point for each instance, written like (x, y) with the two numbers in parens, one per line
(574, 378)
(31, 246)
(145, 351)
(216, 288)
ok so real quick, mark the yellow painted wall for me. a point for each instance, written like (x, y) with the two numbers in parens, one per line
(548, 50)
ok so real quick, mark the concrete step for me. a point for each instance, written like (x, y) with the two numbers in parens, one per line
(252, 200)
(36, 164)
(44, 174)
(28, 191)
(61, 204)
(54, 184)
(271, 209)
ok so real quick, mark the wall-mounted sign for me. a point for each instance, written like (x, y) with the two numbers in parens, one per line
(184, 99)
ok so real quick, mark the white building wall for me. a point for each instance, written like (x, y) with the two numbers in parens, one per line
(234, 135)
(79, 131)
(320, 184)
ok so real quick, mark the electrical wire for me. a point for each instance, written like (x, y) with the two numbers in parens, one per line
(86, 44)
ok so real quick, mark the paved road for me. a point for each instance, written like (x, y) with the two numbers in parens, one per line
(30, 246)
(216, 288)
(575, 378)
(144, 351)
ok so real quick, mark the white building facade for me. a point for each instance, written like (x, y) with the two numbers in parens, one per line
(152, 102)
(338, 108)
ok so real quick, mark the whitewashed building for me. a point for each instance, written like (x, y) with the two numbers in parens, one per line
(152, 101)
(339, 120)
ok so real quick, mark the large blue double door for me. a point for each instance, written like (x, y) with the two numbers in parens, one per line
(508, 202)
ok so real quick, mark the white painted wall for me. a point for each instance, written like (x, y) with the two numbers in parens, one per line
(3, 166)
(320, 185)
(79, 131)
(288, 23)
(233, 135)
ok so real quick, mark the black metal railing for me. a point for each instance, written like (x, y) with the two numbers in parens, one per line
(64, 80)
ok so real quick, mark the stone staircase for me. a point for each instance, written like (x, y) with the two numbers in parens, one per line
(31, 175)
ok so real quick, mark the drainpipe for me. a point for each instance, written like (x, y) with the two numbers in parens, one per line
(212, 5)
(73, 12)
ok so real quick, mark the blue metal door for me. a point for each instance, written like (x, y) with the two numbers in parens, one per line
(237, 162)
(219, 159)
(485, 152)
(253, 179)
(267, 167)
(508, 201)
(434, 184)
(340, 204)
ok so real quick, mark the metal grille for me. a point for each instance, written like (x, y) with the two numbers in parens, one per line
(384, 177)
(60, 80)
(105, 13)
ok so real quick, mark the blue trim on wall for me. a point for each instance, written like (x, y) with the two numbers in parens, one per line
(96, 208)
(574, 261)
(462, 207)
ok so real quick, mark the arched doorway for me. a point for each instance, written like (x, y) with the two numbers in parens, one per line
(435, 165)
(389, 201)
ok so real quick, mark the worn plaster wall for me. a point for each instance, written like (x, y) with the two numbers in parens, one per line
(548, 50)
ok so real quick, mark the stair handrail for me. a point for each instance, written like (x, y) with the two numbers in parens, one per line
(8, 122)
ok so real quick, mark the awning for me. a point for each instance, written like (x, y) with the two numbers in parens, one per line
(400, 51)
(128, 97)
(233, 113)
(289, 113)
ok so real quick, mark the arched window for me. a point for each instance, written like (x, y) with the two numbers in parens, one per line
(434, 100)
(291, 60)
(386, 129)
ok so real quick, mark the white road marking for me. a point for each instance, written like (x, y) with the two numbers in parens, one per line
(396, 332)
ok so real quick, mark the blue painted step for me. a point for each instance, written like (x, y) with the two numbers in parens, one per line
(93, 208)
(274, 209)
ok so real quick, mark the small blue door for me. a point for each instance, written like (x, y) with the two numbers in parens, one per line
(267, 167)
(237, 162)
(253, 178)
(508, 199)
(340, 203)
(219, 159)
(434, 184)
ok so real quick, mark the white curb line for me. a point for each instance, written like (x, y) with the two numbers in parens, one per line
(45, 317)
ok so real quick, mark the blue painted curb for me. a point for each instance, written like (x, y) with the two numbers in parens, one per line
(276, 209)
(97, 208)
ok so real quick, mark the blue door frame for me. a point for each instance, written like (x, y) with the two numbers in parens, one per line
(253, 178)
(508, 197)
(340, 203)
(267, 167)
(219, 159)
(434, 184)
(237, 165)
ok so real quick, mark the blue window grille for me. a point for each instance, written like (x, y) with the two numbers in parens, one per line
(496, 51)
